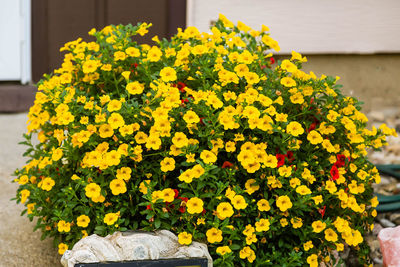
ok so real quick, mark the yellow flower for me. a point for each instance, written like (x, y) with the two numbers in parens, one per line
(84, 233)
(132, 52)
(62, 248)
(224, 210)
(201, 221)
(180, 140)
(250, 239)
(114, 105)
(168, 74)
(296, 222)
(330, 235)
(317, 199)
(154, 54)
(288, 82)
(288, 66)
(184, 238)
(63, 226)
(308, 245)
(208, 156)
(239, 202)
(168, 195)
(92, 190)
(314, 137)
(284, 203)
(197, 171)
(374, 202)
(186, 176)
(124, 173)
(90, 66)
(294, 182)
(143, 186)
(23, 179)
(191, 117)
(251, 186)
(263, 205)
(106, 131)
(116, 120)
(312, 260)
(294, 128)
(283, 222)
(111, 218)
(303, 190)
(83, 221)
(57, 154)
(190, 157)
(330, 186)
(194, 205)
(318, 226)
(214, 235)
(285, 171)
(249, 230)
(153, 142)
(262, 225)
(47, 184)
(167, 164)
(30, 207)
(135, 88)
(248, 253)
(119, 55)
(25, 193)
(223, 250)
(117, 187)
(297, 98)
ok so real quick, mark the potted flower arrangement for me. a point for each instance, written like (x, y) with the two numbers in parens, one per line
(204, 135)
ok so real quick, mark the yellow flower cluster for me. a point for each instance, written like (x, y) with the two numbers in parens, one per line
(205, 135)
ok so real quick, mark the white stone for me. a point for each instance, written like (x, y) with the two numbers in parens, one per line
(127, 246)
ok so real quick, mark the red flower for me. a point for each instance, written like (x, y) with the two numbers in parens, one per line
(176, 193)
(185, 100)
(312, 127)
(281, 159)
(334, 173)
(148, 207)
(184, 199)
(227, 164)
(322, 211)
(341, 160)
(272, 60)
(181, 87)
(182, 209)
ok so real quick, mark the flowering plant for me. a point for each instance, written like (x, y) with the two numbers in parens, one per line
(204, 135)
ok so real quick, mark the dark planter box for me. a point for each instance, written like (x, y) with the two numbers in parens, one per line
(193, 262)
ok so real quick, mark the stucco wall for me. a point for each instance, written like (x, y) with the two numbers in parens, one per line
(374, 79)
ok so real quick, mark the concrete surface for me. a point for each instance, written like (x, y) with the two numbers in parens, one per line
(373, 79)
(19, 245)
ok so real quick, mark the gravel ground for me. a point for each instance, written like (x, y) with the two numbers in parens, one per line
(19, 245)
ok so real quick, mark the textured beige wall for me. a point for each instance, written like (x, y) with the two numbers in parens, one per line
(373, 79)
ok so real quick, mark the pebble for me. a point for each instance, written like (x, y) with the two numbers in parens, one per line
(395, 217)
(378, 260)
(390, 154)
(377, 229)
(386, 223)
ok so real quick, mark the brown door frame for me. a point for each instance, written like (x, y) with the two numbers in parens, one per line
(176, 17)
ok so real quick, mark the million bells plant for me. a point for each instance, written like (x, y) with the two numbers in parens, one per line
(204, 135)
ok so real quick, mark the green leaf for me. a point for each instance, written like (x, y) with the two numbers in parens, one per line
(157, 223)
(234, 247)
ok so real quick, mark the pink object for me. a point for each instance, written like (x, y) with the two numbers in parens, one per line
(389, 239)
